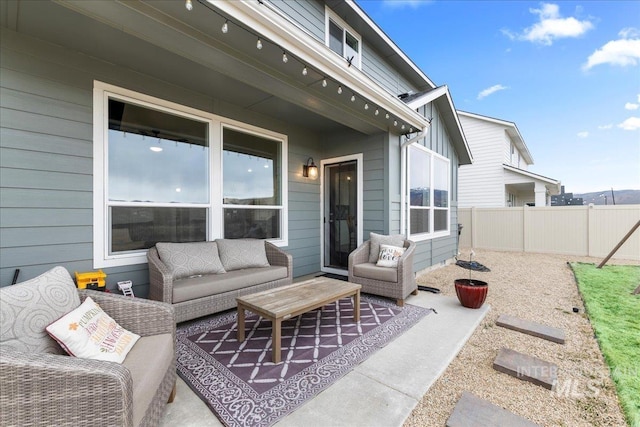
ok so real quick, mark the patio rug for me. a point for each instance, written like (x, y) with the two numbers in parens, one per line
(243, 387)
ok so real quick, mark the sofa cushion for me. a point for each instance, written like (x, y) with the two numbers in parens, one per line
(90, 333)
(28, 307)
(389, 256)
(198, 287)
(148, 362)
(190, 259)
(380, 239)
(372, 271)
(237, 254)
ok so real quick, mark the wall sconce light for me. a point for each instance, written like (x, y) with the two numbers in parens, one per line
(310, 170)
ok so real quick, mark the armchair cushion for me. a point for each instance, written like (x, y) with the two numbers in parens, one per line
(371, 271)
(380, 239)
(237, 254)
(28, 307)
(389, 256)
(190, 259)
(90, 333)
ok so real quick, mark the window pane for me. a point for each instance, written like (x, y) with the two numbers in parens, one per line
(156, 156)
(251, 166)
(440, 219)
(440, 183)
(419, 179)
(135, 228)
(251, 223)
(335, 37)
(352, 46)
(419, 219)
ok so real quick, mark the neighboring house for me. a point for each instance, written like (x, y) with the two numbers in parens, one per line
(128, 123)
(499, 175)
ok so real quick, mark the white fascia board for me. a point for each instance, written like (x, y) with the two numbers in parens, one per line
(531, 175)
(512, 130)
(273, 26)
(387, 40)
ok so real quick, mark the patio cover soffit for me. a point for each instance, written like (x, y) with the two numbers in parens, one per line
(553, 184)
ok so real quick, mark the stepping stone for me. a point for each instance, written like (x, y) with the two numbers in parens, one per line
(527, 368)
(471, 411)
(531, 328)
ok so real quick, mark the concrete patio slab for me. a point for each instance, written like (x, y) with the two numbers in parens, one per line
(531, 328)
(527, 368)
(384, 389)
(471, 411)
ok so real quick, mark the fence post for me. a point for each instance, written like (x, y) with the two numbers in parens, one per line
(525, 226)
(473, 227)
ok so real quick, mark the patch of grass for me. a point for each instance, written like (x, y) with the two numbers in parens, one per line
(615, 316)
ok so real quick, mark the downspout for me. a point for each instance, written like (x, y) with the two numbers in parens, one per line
(403, 176)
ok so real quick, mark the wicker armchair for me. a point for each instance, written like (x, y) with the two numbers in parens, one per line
(397, 283)
(45, 389)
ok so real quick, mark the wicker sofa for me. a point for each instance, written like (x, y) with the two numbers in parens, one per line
(202, 278)
(42, 386)
(390, 282)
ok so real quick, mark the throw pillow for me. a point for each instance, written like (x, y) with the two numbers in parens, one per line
(90, 333)
(389, 256)
(236, 254)
(190, 259)
(380, 239)
(27, 308)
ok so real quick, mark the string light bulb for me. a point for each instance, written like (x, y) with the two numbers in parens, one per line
(377, 112)
(353, 97)
(402, 127)
(324, 82)
(259, 44)
(285, 59)
(386, 116)
(366, 106)
(225, 27)
(395, 123)
(305, 71)
(188, 5)
(339, 90)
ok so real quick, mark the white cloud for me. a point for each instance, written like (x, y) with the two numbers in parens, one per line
(605, 127)
(551, 26)
(583, 134)
(638, 97)
(491, 90)
(616, 52)
(631, 106)
(632, 123)
(405, 3)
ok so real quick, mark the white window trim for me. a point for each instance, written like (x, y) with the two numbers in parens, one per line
(331, 15)
(433, 234)
(101, 93)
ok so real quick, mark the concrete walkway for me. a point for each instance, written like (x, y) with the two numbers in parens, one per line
(381, 391)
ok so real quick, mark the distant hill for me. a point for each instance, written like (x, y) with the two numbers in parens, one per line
(622, 197)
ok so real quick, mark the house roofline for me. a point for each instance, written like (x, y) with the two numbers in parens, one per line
(442, 97)
(315, 54)
(512, 130)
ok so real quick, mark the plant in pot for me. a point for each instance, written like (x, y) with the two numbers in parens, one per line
(471, 293)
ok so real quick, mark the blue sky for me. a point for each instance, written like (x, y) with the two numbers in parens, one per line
(567, 73)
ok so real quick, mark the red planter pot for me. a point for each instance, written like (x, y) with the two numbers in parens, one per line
(471, 293)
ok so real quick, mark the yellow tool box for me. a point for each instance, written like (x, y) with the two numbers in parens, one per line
(91, 280)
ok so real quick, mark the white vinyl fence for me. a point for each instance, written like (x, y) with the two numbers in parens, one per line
(571, 230)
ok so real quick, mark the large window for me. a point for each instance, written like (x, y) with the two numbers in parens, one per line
(428, 187)
(342, 39)
(168, 173)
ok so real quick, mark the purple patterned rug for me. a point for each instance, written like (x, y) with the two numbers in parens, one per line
(243, 387)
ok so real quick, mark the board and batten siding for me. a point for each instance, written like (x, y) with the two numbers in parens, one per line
(46, 162)
(481, 184)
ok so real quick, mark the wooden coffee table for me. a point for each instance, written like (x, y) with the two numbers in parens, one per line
(293, 300)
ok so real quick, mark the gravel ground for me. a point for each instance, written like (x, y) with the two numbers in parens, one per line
(540, 288)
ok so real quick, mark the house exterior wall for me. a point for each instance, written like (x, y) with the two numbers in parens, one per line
(481, 183)
(310, 15)
(46, 160)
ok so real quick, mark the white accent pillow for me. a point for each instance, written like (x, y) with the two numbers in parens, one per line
(90, 333)
(380, 239)
(389, 256)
